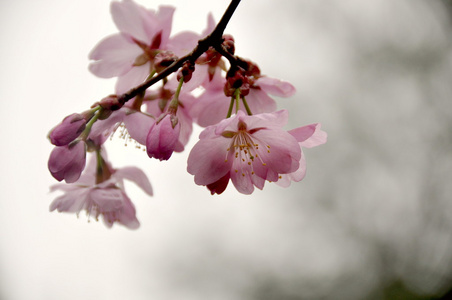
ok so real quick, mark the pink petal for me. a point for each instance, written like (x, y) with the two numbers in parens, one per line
(107, 199)
(162, 139)
(138, 125)
(165, 20)
(259, 102)
(310, 135)
(183, 43)
(242, 181)
(130, 18)
(318, 138)
(186, 124)
(67, 162)
(137, 176)
(103, 128)
(296, 176)
(71, 201)
(114, 56)
(207, 160)
(276, 119)
(284, 152)
(210, 25)
(131, 79)
(211, 108)
(275, 86)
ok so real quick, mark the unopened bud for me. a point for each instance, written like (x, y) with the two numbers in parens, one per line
(68, 130)
(186, 71)
(228, 43)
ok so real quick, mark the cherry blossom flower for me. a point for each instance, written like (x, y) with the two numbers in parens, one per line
(67, 162)
(143, 33)
(107, 198)
(246, 149)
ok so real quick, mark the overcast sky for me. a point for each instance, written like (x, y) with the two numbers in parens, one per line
(373, 210)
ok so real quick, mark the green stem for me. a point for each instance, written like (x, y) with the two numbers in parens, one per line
(230, 108)
(248, 110)
(237, 100)
(175, 101)
(97, 110)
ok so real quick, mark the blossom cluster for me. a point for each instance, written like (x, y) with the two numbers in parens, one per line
(199, 79)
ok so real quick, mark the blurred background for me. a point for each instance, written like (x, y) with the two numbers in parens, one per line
(371, 220)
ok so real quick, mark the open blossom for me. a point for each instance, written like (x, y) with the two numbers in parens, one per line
(67, 162)
(129, 55)
(107, 198)
(248, 150)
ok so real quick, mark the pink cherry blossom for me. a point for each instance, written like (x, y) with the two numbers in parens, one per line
(68, 130)
(67, 162)
(107, 198)
(307, 137)
(129, 54)
(246, 149)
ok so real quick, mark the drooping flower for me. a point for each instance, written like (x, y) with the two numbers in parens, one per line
(107, 197)
(67, 162)
(246, 149)
(159, 108)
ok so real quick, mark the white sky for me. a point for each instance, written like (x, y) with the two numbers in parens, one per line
(376, 77)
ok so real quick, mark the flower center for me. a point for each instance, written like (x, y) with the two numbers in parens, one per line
(246, 150)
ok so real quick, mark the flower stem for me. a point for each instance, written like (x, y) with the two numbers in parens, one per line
(237, 100)
(248, 110)
(97, 110)
(231, 105)
(175, 101)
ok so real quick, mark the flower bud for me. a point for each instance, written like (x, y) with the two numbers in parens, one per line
(163, 138)
(186, 71)
(228, 43)
(68, 130)
(67, 162)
